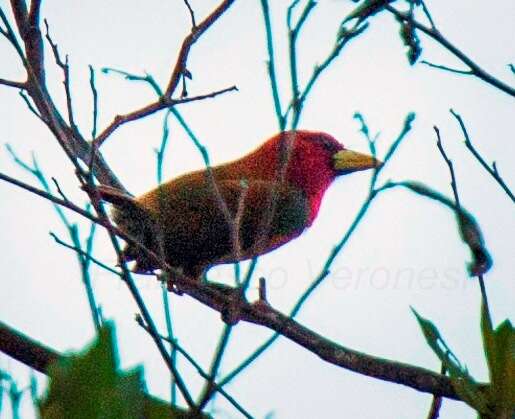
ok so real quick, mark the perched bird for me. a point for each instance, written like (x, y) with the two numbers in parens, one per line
(237, 210)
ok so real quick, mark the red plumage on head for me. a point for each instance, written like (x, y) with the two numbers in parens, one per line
(306, 158)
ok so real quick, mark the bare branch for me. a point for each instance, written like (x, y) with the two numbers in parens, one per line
(50, 197)
(147, 110)
(31, 106)
(202, 97)
(85, 254)
(262, 314)
(435, 34)
(199, 369)
(192, 14)
(11, 37)
(59, 190)
(34, 12)
(28, 28)
(196, 33)
(72, 143)
(436, 404)
(262, 290)
(95, 103)
(428, 14)
(444, 67)
(209, 389)
(491, 170)
(12, 83)
(271, 66)
(293, 33)
(448, 161)
(25, 349)
(66, 82)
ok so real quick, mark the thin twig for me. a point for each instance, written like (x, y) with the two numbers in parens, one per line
(319, 68)
(442, 40)
(12, 83)
(11, 37)
(73, 144)
(84, 254)
(189, 41)
(154, 107)
(491, 170)
(484, 298)
(209, 390)
(59, 190)
(448, 161)
(436, 404)
(66, 82)
(271, 66)
(428, 14)
(94, 92)
(50, 197)
(444, 67)
(199, 369)
(71, 227)
(192, 14)
(31, 106)
(160, 154)
(262, 290)
(171, 336)
(293, 33)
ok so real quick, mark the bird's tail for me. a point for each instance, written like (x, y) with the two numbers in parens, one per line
(134, 220)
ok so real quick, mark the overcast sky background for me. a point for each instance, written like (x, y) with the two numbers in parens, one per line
(407, 251)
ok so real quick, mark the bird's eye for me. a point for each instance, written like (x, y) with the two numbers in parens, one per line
(328, 144)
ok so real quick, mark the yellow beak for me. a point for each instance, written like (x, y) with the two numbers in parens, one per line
(348, 161)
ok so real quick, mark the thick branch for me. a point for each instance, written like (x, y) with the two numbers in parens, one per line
(262, 314)
(26, 350)
(28, 26)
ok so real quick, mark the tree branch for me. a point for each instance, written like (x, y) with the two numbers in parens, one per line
(154, 107)
(435, 34)
(491, 170)
(196, 33)
(380, 368)
(25, 349)
(12, 83)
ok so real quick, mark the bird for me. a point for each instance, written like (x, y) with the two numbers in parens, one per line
(237, 210)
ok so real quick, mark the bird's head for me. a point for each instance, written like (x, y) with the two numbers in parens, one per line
(312, 159)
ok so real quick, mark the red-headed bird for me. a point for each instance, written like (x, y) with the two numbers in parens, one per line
(237, 210)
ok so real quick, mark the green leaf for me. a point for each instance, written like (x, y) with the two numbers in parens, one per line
(501, 362)
(465, 386)
(90, 385)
